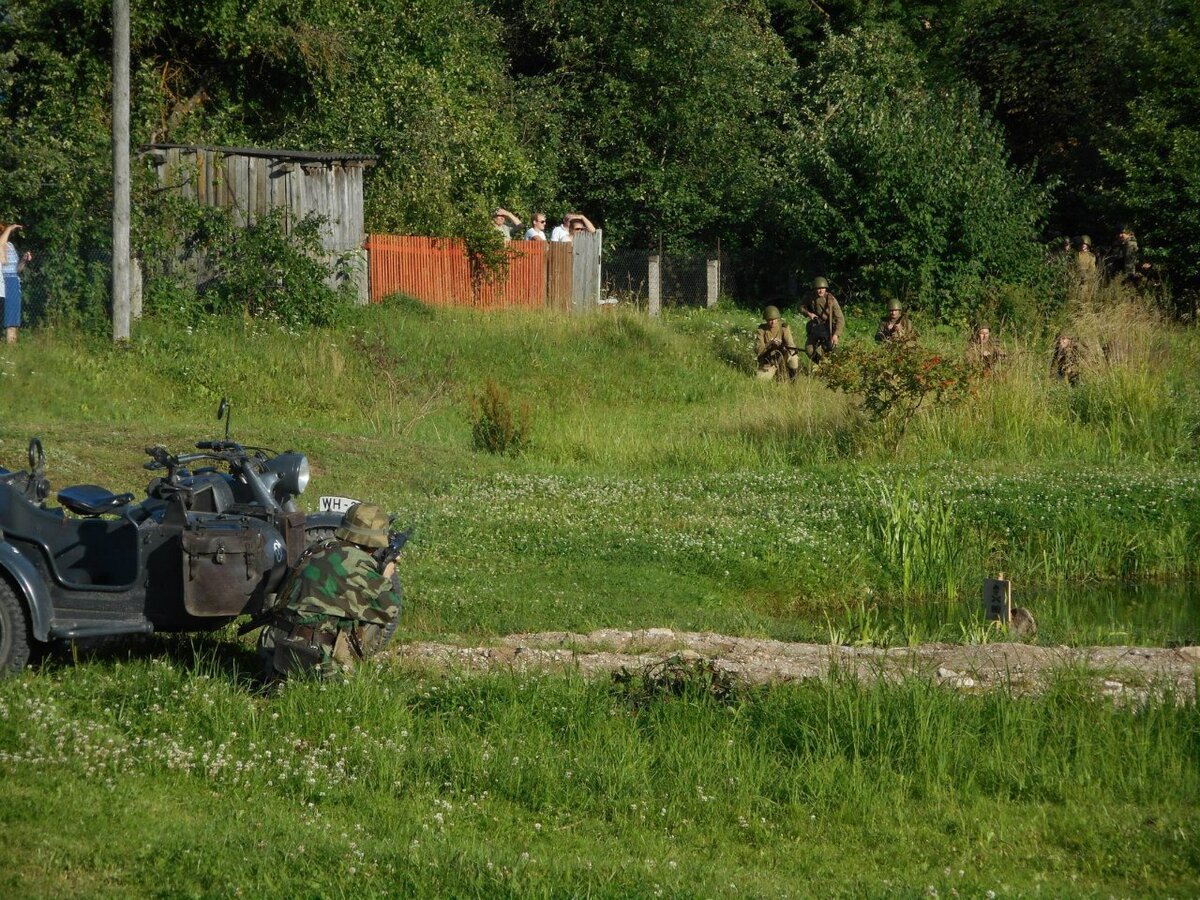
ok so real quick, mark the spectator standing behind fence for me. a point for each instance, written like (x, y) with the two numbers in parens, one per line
(572, 224)
(504, 222)
(537, 232)
(13, 263)
(825, 321)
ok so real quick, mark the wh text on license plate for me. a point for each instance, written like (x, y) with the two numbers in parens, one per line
(335, 504)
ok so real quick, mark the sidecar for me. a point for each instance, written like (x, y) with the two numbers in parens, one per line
(115, 567)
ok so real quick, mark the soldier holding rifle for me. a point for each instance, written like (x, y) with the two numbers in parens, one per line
(775, 347)
(825, 321)
(341, 601)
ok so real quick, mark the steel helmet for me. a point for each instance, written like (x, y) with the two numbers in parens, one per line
(894, 304)
(1085, 239)
(771, 312)
(820, 283)
(365, 524)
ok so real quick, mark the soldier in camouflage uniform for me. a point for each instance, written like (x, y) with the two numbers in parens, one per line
(895, 325)
(825, 321)
(775, 347)
(337, 606)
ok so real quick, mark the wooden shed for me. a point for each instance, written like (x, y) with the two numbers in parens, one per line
(251, 181)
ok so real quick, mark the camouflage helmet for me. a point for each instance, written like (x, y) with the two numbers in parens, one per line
(894, 304)
(365, 524)
(820, 283)
(771, 312)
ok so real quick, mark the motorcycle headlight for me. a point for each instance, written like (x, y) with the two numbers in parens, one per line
(293, 471)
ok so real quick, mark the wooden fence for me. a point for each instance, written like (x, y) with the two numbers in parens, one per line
(439, 271)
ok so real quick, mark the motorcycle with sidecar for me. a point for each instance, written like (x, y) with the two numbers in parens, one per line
(213, 539)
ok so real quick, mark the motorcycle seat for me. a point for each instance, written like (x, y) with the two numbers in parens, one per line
(91, 499)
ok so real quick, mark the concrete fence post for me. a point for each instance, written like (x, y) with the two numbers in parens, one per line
(654, 286)
(714, 282)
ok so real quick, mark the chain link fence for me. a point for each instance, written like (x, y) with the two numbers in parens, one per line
(684, 280)
(66, 287)
(625, 277)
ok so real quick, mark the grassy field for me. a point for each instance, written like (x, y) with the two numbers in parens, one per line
(663, 487)
(396, 784)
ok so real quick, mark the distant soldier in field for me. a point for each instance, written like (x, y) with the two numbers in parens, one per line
(339, 606)
(1126, 263)
(895, 326)
(1064, 364)
(825, 321)
(1086, 273)
(775, 347)
(982, 352)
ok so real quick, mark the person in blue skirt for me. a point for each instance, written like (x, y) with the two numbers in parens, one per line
(11, 263)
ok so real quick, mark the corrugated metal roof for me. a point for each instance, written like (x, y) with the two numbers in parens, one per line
(290, 155)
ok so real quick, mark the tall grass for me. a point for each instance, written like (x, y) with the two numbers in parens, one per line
(428, 785)
(609, 392)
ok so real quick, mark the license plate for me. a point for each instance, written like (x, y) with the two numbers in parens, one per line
(336, 504)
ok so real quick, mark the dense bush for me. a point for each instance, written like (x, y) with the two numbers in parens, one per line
(903, 186)
(895, 381)
(852, 137)
(496, 426)
(198, 260)
(665, 122)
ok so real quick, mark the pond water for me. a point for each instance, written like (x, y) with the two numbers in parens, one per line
(1162, 614)
(1158, 614)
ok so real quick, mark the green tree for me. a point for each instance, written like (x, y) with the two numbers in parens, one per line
(1157, 154)
(422, 85)
(660, 121)
(1057, 75)
(898, 184)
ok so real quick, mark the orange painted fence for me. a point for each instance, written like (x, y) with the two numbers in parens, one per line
(439, 271)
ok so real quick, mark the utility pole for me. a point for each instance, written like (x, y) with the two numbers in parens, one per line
(120, 144)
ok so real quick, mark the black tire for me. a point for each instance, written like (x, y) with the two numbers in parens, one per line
(317, 534)
(15, 636)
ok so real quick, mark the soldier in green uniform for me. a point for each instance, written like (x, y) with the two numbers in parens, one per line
(1086, 274)
(982, 352)
(825, 321)
(774, 346)
(337, 606)
(1126, 262)
(1064, 364)
(895, 326)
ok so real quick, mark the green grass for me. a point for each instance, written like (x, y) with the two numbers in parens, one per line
(402, 784)
(664, 487)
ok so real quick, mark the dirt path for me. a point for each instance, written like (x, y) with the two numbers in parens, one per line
(1126, 672)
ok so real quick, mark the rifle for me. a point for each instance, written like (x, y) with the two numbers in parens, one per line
(390, 553)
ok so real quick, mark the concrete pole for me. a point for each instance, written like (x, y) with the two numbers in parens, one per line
(714, 282)
(120, 145)
(654, 286)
